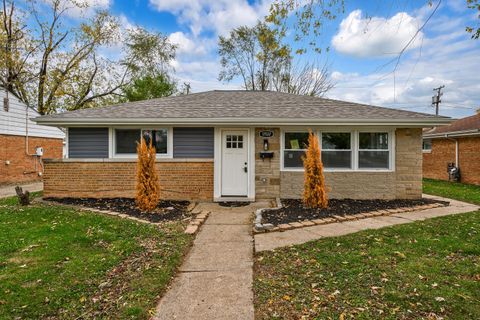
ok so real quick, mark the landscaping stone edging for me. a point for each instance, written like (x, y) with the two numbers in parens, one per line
(258, 225)
(268, 227)
(191, 228)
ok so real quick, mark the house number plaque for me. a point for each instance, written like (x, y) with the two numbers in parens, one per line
(266, 133)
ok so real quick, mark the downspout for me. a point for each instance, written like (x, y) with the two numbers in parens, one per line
(456, 148)
(26, 146)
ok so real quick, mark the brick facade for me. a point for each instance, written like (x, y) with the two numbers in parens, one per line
(23, 167)
(193, 179)
(443, 152)
(179, 179)
(403, 183)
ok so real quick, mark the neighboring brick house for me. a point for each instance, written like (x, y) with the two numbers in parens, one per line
(240, 145)
(19, 139)
(457, 143)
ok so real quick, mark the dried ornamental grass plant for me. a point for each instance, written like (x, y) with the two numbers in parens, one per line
(147, 187)
(315, 193)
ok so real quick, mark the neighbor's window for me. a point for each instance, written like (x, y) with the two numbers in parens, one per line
(427, 145)
(126, 140)
(295, 145)
(373, 151)
(337, 150)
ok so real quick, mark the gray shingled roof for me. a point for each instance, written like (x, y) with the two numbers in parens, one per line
(254, 105)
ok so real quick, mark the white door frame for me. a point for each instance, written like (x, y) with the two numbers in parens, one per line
(217, 175)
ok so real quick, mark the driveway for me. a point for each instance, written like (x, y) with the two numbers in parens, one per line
(215, 281)
(9, 191)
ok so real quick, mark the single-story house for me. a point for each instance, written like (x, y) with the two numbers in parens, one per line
(240, 145)
(457, 144)
(23, 143)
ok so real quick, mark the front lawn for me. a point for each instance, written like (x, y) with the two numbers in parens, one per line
(58, 263)
(458, 191)
(428, 270)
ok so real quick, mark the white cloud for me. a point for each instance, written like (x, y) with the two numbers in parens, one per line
(186, 45)
(376, 36)
(86, 8)
(445, 60)
(197, 61)
(211, 15)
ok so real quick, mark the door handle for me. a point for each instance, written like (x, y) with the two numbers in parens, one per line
(245, 168)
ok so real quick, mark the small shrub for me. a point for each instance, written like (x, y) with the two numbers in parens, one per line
(315, 193)
(147, 188)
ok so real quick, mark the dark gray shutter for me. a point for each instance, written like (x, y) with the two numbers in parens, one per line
(193, 142)
(88, 142)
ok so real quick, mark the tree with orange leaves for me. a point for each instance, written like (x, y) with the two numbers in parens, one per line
(147, 188)
(315, 193)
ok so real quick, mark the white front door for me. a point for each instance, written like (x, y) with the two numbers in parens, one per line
(234, 163)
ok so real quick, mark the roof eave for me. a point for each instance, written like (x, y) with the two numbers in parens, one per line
(452, 134)
(240, 121)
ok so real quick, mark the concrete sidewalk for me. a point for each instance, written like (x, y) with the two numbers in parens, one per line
(273, 240)
(9, 191)
(215, 281)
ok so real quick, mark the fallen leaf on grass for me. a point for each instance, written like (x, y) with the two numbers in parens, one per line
(401, 255)
(30, 247)
(439, 299)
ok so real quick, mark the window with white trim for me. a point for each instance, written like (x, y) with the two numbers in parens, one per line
(295, 144)
(126, 140)
(158, 138)
(427, 145)
(373, 150)
(337, 150)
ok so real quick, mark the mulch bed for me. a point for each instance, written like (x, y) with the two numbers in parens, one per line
(165, 211)
(293, 210)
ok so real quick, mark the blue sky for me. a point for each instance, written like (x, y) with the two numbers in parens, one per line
(362, 40)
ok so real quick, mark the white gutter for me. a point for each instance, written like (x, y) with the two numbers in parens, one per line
(462, 133)
(241, 121)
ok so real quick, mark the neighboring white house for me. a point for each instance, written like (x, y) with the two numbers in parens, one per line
(23, 143)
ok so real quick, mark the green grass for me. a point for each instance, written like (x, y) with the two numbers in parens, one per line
(458, 191)
(423, 270)
(59, 263)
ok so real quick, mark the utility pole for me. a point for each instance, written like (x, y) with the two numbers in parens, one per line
(436, 99)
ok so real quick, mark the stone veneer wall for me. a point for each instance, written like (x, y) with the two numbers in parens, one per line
(403, 183)
(408, 163)
(267, 172)
(179, 179)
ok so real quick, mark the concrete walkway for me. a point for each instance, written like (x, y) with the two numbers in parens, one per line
(270, 241)
(215, 281)
(9, 191)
